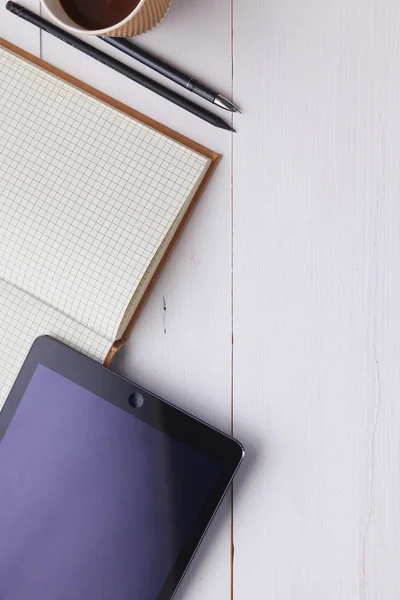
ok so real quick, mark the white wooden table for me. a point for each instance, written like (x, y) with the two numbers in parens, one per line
(282, 298)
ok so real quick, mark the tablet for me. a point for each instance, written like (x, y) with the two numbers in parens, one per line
(105, 489)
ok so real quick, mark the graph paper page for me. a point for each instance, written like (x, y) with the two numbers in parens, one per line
(87, 195)
(23, 319)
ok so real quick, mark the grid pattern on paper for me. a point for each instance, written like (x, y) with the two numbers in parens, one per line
(87, 195)
(17, 334)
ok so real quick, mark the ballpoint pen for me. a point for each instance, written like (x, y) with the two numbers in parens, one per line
(172, 73)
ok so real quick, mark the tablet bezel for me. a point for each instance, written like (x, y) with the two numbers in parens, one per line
(155, 411)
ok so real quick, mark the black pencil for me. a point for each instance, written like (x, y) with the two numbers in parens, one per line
(105, 59)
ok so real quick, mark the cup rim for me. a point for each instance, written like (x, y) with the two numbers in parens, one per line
(103, 31)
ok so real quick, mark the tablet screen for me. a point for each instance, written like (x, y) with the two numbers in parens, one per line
(94, 502)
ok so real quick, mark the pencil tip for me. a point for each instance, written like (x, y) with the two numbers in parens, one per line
(223, 125)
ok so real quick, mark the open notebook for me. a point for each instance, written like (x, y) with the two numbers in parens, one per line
(91, 201)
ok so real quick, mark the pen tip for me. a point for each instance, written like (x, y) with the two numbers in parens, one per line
(223, 102)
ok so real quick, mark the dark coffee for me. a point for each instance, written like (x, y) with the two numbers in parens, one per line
(98, 14)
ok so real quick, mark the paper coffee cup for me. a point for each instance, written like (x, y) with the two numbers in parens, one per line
(146, 15)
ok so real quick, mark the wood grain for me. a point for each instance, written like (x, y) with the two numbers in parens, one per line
(314, 186)
(316, 296)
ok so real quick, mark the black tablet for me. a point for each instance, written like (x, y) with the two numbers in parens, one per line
(105, 489)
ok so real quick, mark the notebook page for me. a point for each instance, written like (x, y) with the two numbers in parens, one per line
(23, 319)
(87, 195)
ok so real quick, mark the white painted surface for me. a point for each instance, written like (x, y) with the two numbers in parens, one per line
(314, 243)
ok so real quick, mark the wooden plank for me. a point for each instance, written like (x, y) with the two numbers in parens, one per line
(180, 346)
(316, 297)
(381, 539)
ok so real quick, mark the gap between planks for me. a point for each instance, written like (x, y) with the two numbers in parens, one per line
(232, 541)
